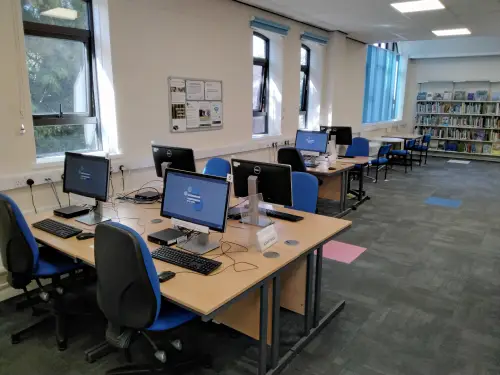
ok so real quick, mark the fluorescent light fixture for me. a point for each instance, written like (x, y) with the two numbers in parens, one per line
(418, 6)
(62, 13)
(452, 32)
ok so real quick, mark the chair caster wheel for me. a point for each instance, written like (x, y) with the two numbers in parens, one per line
(62, 345)
(60, 290)
(354, 208)
(44, 296)
(15, 339)
(161, 356)
(368, 198)
(207, 362)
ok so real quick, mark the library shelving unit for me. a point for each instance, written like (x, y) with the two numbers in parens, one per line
(463, 118)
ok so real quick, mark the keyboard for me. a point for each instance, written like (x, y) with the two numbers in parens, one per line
(185, 260)
(56, 228)
(310, 164)
(271, 213)
(283, 215)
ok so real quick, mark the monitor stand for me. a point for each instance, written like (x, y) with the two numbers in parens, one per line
(164, 166)
(200, 244)
(254, 217)
(95, 217)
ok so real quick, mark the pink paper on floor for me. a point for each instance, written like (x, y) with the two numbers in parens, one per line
(342, 252)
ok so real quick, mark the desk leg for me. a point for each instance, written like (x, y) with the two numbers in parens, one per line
(264, 304)
(361, 183)
(317, 288)
(276, 304)
(342, 192)
(309, 294)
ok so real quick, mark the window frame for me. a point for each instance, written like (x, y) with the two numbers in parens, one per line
(264, 89)
(305, 85)
(86, 37)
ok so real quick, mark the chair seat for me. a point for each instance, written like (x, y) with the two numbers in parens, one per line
(420, 148)
(55, 264)
(400, 152)
(171, 316)
(379, 161)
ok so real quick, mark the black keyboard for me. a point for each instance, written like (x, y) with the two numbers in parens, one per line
(56, 228)
(185, 260)
(271, 213)
(283, 215)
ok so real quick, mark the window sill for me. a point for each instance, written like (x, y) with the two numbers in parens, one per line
(381, 125)
(257, 137)
(58, 161)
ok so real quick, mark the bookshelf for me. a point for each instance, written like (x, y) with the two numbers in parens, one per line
(462, 117)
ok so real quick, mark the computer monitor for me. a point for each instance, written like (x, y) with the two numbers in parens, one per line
(198, 202)
(311, 142)
(273, 181)
(87, 176)
(343, 134)
(173, 157)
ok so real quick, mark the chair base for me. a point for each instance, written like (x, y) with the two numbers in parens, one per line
(174, 368)
(61, 337)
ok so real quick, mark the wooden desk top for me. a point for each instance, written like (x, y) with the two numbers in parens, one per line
(323, 168)
(358, 160)
(387, 139)
(205, 294)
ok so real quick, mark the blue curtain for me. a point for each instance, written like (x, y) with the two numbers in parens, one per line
(382, 85)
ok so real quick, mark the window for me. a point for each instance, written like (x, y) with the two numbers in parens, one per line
(59, 60)
(260, 83)
(305, 64)
(384, 86)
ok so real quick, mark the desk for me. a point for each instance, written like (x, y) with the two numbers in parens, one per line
(402, 136)
(334, 186)
(362, 161)
(285, 281)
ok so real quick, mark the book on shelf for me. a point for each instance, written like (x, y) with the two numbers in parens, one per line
(437, 96)
(422, 95)
(470, 96)
(495, 96)
(430, 95)
(448, 95)
(460, 95)
(495, 148)
(486, 149)
(482, 95)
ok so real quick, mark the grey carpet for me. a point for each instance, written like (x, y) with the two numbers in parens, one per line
(422, 300)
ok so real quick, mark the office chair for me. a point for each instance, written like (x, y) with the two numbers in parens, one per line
(423, 147)
(217, 167)
(25, 261)
(383, 158)
(360, 147)
(292, 157)
(405, 155)
(128, 293)
(305, 192)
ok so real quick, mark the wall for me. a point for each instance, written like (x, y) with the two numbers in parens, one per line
(479, 68)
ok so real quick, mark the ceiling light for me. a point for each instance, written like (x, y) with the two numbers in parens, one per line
(62, 13)
(418, 6)
(452, 32)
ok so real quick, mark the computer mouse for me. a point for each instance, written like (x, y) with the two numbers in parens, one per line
(85, 236)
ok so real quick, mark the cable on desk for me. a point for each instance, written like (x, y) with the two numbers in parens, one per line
(54, 190)
(33, 199)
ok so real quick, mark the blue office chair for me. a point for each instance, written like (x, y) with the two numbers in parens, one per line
(217, 167)
(359, 147)
(25, 261)
(405, 156)
(383, 158)
(423, 147)
(128, 293)
(305, 192)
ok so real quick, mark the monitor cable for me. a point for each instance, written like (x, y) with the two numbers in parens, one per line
(30, 183)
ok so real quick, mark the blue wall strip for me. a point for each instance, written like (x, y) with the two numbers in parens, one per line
(263, 24)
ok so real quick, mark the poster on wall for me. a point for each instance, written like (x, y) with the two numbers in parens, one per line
(213, 91)
(195, 104)
(195, 90)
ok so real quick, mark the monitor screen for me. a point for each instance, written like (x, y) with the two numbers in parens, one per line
(177, 157)
(196, 198)
(86, 175)
(311, 141)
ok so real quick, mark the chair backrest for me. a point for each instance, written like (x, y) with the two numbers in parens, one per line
(426, 139)
(18, 248)
(217, 167)
(305, 191)
(128, 290)
(410, 144)
(360, 147)
(384, 150)
(292, 157)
